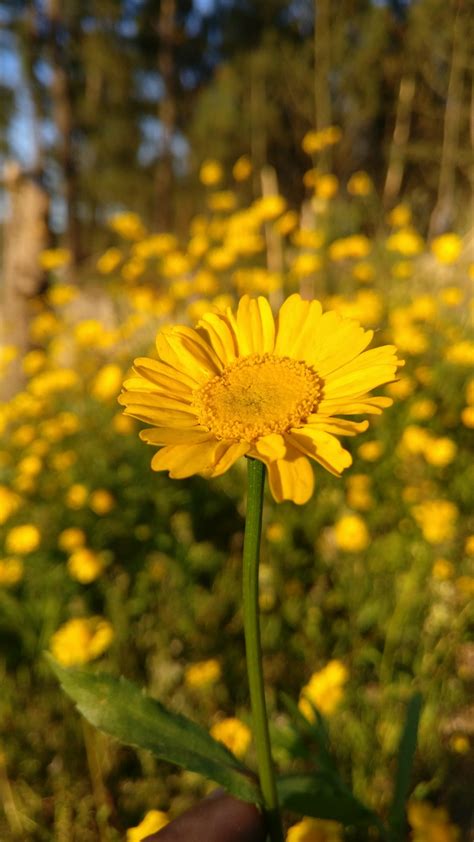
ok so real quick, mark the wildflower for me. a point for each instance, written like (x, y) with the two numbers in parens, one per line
(11, 571)
(81, 640)
(203, 673)
(315, 141)
(71, 538)
(128, 225)
(326, 186)
(358, 492)
(423, 409)
(106, 383)
(85, 566)
(241, 385)
(23, 539)
(33, 362)
(222, 201)
(399, 216)
(447, 248)
(461, 353)
(154, 820)
(355, 246)
(275, 532)
(211, 173)
(76, 496)
(440, 451)
(451, 296)
(101, 501)
(234, 734)
(324, 690)
(286, 223)
(363, 272)
(460, 744)
(306, 264)
(51, 259)
(315, 830)
(405, 241)
(430, 824)
(360, 184)
(242, 168)
(269, 207)
(109, 260)
(9, 503)
(437, 520)
(442, 569)
(61, 294)
(351, 534)
(370, 451)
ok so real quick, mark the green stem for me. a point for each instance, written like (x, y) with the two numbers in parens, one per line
(251, 555)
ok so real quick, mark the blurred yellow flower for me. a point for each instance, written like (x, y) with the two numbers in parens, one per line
(402, 269)
(437, 520)
(33, 362)
(460, 744)
(351, 534)
(109, 260)
(106, 383)
(465, 584)
(61, 294)
(363, 272)
(101, 501)
(447, 248)
(30, 466)
(9, 503)
(76, 496)
(203, 673)
(461, 353)
(467, 417)
(315, 141)
(222, 201)
(49, 382)
(275, 532)
(127, 225)
(360, 184)
(315, 830)
(430, 824)
(355, 246)
(81, 640)
(443, 569)
(234, 734)
(469, 545)
(242, 168)
(11, 571)
(154, 821)
(51, 259)
(71, 538)
(358, 492)
(324, 690)
(286, 223)
(85, 565)
(440, 451)
(23, 539)
(326, 186)
(399, 216)
(245, 386)
(370, 451)
(306, 264)
(422, 409)
(269, 207)
(308, 238)
(402, 388)
(451, 296)
(43, 326)
(406, 241)
(123, 424)
(211, 172)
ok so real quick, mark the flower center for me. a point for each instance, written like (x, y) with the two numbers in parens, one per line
(258, 395)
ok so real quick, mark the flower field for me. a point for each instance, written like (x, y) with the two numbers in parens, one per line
(365, 590)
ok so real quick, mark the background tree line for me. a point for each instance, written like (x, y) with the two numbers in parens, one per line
(127, 97)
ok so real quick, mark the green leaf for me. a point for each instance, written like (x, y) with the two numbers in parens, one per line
(120, 709)
(316, 731)
(406, 756)
(316, 796)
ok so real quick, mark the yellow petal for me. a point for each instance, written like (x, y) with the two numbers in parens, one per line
(172, 435)
(338, 426)
(354, 405)
(185, 350)
(357, 382)
(291, 479)
(184, 460)
(221, 336)
(321, 446)
(338, 342)
(270, 447)
(298, 322)
(254, 326)
(226, 454)
(163, 375)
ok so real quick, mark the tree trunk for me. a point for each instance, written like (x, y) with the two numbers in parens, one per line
(25, 236)
(401, 135)
(322, 69)
(164, 175)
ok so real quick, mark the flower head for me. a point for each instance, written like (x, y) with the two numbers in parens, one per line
(245, 384)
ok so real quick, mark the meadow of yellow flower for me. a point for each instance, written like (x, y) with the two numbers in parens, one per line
(365, 590)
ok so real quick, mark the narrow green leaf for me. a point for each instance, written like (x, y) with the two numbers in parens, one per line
(120, 709)
(316, 796)
(406, 756)
(316, 731)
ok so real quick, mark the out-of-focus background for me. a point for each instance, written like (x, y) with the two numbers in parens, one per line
(160, 159)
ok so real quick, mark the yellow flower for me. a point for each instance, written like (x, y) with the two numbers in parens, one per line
(211, 173)
(222, 201)
(402, 269)
(461, 353)
(363, 272)
(275, 532)
(51, 259)
(351, 534)
(242, 168)
(315, 141)
(399, 216)
(451, 296)
(81, 640)
(440, 452)
(460, 744)
(326, 186)
(101, 501)
(71, 539)
(443, 569)
(447, 248)
(9, 503)
(324, 690)
(106, 383)
(22, 540)
(358, 492)
(315, 830)
(430, 824)
(128, 225)
(286, 223)
(11, 571)
(109, 260)
(243, 385)
(355, 246)
(269, 207)
(370, 451)
(154, 820)
(76, 496)
(437, 520)
(33, 361)
(234, 734)
(406, 241)
(306, 264)
(202, 673)
(84, 565)
(423, 409)
(360, 184)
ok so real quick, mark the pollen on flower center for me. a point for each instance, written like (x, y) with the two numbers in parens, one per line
(258, 395)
